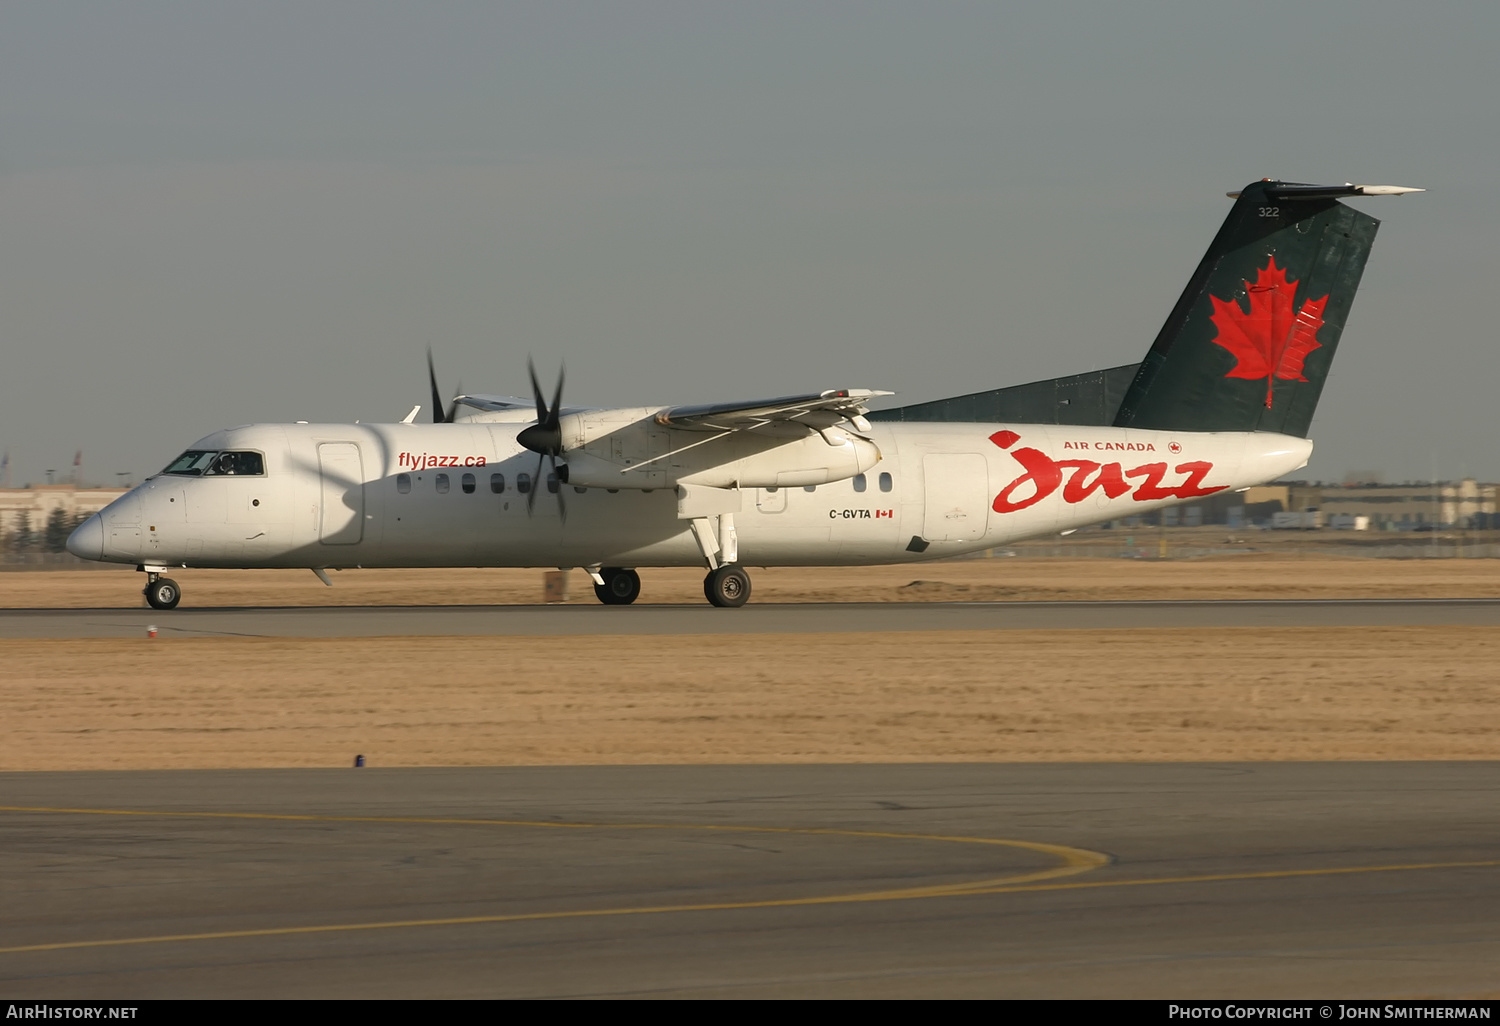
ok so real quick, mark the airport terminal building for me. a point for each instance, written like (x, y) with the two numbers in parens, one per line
(1410, 506)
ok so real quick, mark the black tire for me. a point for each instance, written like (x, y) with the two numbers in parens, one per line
(620, 588)
(727, 587)
(163, 593)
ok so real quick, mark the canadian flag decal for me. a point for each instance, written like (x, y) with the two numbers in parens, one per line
(1272, 339)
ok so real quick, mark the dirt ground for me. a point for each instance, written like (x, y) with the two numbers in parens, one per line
(1074, 695)
(1249, 576)
(1238, 694)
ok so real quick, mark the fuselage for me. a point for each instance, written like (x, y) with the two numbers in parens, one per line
(456, 494)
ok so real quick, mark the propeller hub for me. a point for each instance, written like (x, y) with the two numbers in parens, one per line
(542, 439)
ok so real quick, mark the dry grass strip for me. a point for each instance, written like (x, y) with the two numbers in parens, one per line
(1238, 694)
(1243, 577)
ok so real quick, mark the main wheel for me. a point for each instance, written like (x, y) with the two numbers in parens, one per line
(620, 588)
(163, 593)
(727, 587)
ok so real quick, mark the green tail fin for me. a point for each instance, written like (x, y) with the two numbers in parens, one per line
(1248, 345)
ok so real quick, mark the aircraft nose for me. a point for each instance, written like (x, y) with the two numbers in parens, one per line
(87, 540)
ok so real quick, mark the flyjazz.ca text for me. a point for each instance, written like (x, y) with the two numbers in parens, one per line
(424, 460)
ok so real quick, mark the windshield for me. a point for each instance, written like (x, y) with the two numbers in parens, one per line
(193, 462)
(200, 462)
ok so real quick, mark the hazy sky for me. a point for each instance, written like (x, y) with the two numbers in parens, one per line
(219, 213)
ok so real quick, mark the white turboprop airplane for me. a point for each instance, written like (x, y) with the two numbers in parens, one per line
(1222, 401)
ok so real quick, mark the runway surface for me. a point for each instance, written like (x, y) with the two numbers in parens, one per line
(1186, 880)
(446, 621)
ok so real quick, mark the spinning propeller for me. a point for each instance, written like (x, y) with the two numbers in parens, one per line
(545, 439)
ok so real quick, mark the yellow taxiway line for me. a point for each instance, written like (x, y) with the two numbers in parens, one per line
(1072, 862)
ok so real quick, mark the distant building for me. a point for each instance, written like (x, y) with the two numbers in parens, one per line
(38, 502)
(1440, 505)
(1414, 506)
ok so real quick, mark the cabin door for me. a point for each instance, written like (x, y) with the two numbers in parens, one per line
(342, 510)
(957, 489)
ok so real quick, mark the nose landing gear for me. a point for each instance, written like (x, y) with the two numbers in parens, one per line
(162, 592)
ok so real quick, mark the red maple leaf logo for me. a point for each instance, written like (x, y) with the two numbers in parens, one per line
(1272, 340)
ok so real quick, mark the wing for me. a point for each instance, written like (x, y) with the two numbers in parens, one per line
(816, 411)
(496, 409)
(494, 403)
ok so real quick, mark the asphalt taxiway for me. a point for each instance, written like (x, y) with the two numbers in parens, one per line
(798, 618)
(1187, 880)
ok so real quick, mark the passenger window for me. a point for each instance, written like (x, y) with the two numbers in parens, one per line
(885, 482)
(773, 489)
(579, 489)
(809, 488)
(523, 483)
(552, 482)
(442, 484)
(497, 483)
(467, 482)
(403, 483)
(859, 482)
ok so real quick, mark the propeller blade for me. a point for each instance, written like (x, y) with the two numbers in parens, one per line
(536, 390)
(537, 481)
(453, 406)
(562, 505)
(437, 397)
(555, 414)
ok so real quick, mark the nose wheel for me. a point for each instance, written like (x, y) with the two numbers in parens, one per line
(727, 587)
(162, 592)
(620, 588)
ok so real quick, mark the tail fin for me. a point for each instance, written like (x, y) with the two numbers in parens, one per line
(1248, 345)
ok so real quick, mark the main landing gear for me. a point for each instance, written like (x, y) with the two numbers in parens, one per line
(162, 592)
(727, 587)
(620, 588)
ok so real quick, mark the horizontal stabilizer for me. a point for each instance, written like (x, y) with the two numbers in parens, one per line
(1298, 191)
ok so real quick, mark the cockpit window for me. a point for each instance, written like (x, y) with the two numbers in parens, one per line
(200, 462)
(193, 462)
(239, 463)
